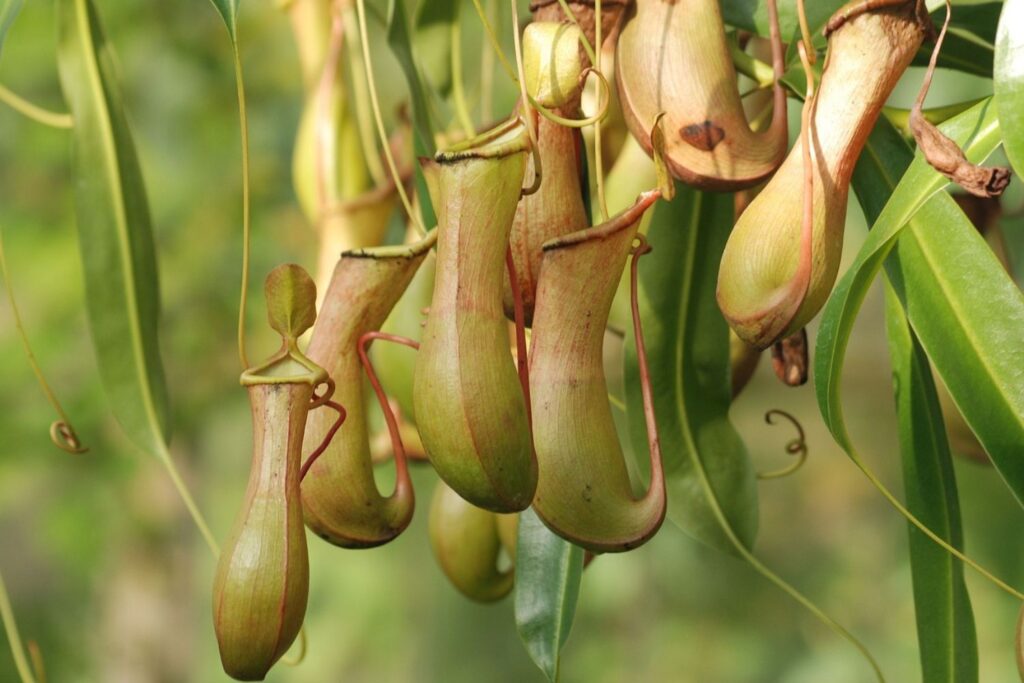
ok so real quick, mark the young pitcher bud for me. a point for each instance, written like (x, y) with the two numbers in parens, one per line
(467, 542)
(551, 62)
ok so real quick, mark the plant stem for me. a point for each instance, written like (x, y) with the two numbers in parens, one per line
(164, 456)
(598, 152)
(243, 120)
(70, 442)
(13, 637)
(34, 111)
(361, 92)
(458, 92)
(414, 216)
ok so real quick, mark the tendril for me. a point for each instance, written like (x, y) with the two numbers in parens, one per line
(598, 152)
(401, 463)
(527, 104)
(34, 111)
(14, 637)
(641, 247)
(321, 401)
(61, 432)
(64, 437)
(596, 119)
(300, 656)
(796, 447)
(414, 216)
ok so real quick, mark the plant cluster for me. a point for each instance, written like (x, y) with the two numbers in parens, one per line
(642, 127)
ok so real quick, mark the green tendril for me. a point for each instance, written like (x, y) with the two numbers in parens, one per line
(35, 112)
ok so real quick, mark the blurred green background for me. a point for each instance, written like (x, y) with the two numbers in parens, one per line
(107, 574)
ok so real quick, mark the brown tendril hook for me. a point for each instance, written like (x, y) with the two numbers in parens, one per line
(397, 446)
(342, 414)
(63, 435)
(641, 247)
(797, 446)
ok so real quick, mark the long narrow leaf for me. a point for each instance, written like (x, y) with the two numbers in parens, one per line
(115, 235)
(945, 622)
(548, 571)
(228, 10)
(688, 351)
(1009, 81)
(973, 322)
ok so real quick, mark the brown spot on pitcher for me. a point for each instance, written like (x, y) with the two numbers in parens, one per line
(704, 135)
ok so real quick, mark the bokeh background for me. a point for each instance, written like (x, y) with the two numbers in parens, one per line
(107, 574)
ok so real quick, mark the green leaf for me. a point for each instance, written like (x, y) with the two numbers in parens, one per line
(548, 571)
(291, 300)
(423, 128)
(966, 311)
(115, 235)
(8, 13)
(1009, 81)
(400, 42)
(432, 41)
(687, 343)
(752, 15)
(228, 10)
(945, 622)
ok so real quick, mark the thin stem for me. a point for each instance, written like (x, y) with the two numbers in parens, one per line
(34, 111)
(526, 102)
(805, 31)
(927, 82)
(13, 637)
(763, 570)
(414, 216)
(301, 654)
(243, 120)
(598, 152)
(458, 91)
(657, 487)
(164, 456)
(495, 43)
(363, 116)
(398, 448)
(797, 447)
(587, 47)
(752, 67)
(487, 77)
(342, 414)
(61, 432)
(928, 532)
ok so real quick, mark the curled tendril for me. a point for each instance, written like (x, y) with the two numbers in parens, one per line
(342, 414)
(596, 119)
(321, 399)
(797, 446)
(62, 434)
